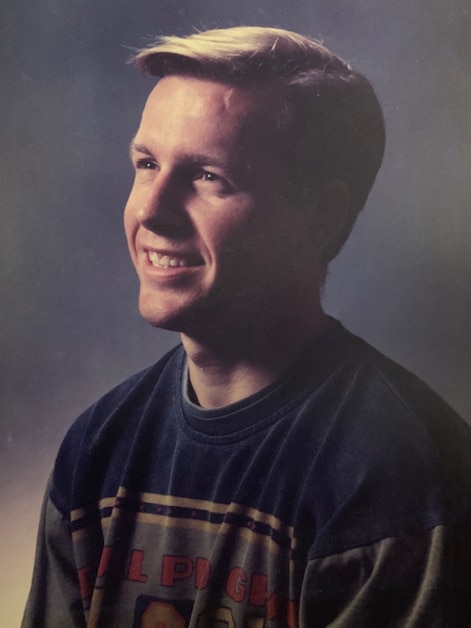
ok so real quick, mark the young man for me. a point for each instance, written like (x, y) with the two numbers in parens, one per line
(274, 470)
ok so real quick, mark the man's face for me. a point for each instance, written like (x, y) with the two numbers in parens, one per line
(209, 232)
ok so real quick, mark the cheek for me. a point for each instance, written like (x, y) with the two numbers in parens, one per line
(225, 228)
(130, 227)
(238, 253)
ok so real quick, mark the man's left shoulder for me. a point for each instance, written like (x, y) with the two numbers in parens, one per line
(395, 456)
(371, 406)
(412, 408)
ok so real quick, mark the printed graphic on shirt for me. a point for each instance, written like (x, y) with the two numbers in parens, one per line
(176, 561)
(152, 613)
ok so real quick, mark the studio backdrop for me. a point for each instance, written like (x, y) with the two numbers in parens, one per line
(70, 104)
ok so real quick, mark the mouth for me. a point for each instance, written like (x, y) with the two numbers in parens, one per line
(172, 260)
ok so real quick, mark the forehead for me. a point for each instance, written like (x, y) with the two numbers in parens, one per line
(179, 102)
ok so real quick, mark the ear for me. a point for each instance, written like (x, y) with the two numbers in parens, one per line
(333, 217)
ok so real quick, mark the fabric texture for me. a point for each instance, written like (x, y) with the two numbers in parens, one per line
(338, 496)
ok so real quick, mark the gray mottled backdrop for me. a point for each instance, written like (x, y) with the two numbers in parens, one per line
(69, 106)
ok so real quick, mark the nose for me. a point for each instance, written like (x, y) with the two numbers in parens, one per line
(161, 207)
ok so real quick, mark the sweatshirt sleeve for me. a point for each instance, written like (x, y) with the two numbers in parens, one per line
(418, 580)
(54, 600)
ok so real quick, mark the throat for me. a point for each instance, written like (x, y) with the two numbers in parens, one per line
(227, 368)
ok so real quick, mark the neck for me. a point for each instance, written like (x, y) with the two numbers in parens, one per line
(228, 366)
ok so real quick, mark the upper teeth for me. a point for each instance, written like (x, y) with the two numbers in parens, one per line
(158, 259)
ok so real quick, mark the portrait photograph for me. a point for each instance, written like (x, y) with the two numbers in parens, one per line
(235, 322)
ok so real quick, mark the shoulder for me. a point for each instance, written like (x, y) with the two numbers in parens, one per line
(398, 404)
(394, 455)
(387, 394)
(108, 425)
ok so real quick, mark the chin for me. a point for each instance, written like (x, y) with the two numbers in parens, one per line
(163, 320)
(169, 316)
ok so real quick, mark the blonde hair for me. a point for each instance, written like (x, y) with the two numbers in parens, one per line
(330, 121)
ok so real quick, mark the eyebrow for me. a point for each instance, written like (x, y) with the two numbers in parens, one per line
(139, 148)
(197, 159)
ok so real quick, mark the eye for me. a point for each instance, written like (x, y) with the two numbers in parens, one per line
(211, 183)
(145, 164)
(205, 175)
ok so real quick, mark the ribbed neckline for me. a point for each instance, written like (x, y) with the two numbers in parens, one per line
(244, 418)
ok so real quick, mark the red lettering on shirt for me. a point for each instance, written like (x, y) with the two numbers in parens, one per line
(278, 605)
(105, 561)
(236, 584)
(202, 573)
(175, 568)
(258, 589)
(85, 583)
(135, 567)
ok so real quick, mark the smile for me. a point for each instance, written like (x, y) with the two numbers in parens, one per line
(163, 260)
